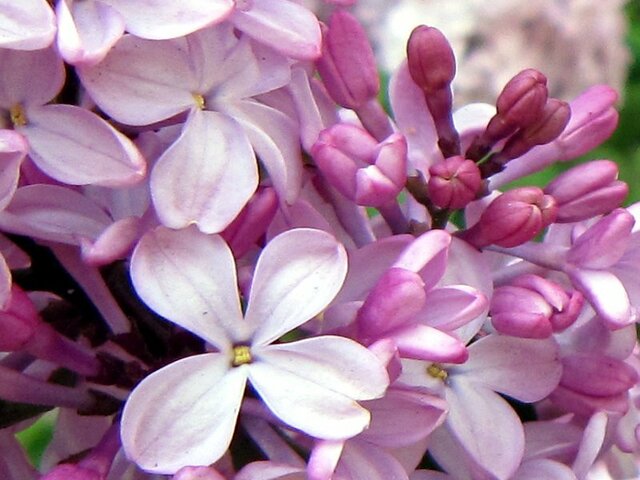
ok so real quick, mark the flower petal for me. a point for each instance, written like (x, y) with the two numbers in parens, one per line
(297, 275)
(75, 146)
(322, 360)
(26, 25)
(142, 81)
(184, 414)
(525, 369)
(285, 26)
(190, 279)
(307, 406)
(206, 176)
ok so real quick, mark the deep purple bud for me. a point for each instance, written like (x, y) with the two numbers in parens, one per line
(454, 182)
(587, 190)
(519, 105)
(513, 218)
(432, 64)
(550, 124)
(363, 170)
(347, 65)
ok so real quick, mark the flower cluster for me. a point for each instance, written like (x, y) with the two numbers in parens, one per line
(224, 258)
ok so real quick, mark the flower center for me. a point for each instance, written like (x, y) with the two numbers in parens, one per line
(436, 371)
(18, 117)
(199, 99)
(241, 355)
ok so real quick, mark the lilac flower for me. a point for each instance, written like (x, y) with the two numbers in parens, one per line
(26, 25)
(310, 384)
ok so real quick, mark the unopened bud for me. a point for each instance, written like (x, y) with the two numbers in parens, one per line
(369, 173)
(587, 190)
(513, 218)
(432, 64)
(453, 183)
(347, 65)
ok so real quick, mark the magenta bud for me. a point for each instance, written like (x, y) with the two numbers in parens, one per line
(587, 190)
(19, 321)
(454, 182)
(363, 170)
(347, 65)
(533, 307)
(519, 105)
(513, 218)
(252, 222)
(597, 375)
(551, 122)
(432, 64)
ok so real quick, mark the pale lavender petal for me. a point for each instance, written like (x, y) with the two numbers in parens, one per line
(75, 146)
(307, 406)
(113, 244)
(142, 81)
(335, 363)
(364, 460)
(297, 275)
(184, 414)
(29, 78)
(422, 342)
(206, 176)
(606, 294)
(490, 431)
(427, 255)
(5, 282)
(525, 369)
(26, 24)
(159, 19)
(266, 470)
(591, 444)
(285, 26)
(448, 308)
(544, 469)
(87, 30)
(190, 279)
(13, 149)
(274, 137)
(51, 212)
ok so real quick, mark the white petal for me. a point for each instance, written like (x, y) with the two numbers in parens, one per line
(297, 275)
(206, 176)
(184, 414)
(190, 279)
(305, 405)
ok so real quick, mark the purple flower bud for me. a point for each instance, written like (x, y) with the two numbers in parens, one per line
(597, 375)
(519, 105)
(432, 64)
(513, 218)
(347, 65)
(533, 307)
(454, 182)
(367, 172)
(550, 124)
(587, 190)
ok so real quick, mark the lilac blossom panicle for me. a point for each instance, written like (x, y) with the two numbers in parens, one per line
(222, 258)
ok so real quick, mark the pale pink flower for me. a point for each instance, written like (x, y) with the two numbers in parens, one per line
(311, 384)
(26, 25)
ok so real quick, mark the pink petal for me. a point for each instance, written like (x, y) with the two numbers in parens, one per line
(305, 405)
(207, 176)
(490, 431)
(591, 444)
(194, 406)
(606, 294)
(159, 19)
(378, 463)
(543, 469)
(29, 78)
(141, 81)
(87, 30)
(297, 275)
(421, 342)
(322, 361)
(190, 279)
(113, 244)
(51, 212)
(285, 26)
(448, 308)
(525, 369)
(427, 255)
(26, 24)
(274, 137)
(13, 149)
(75, 146)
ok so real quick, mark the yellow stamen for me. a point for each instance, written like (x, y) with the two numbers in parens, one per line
(241, 355)
(200, 103)
(18, 117)
(436, 371)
